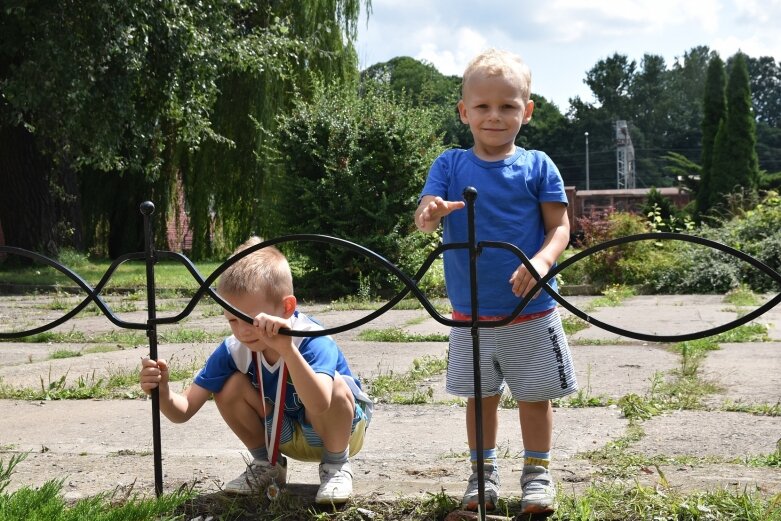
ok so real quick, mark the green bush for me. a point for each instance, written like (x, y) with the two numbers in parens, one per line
(756, 232)
(354, 165)
(614, 265)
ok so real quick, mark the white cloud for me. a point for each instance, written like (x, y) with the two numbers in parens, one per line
(450, 53)
(562, 39)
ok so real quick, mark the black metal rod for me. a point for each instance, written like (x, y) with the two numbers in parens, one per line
(147, 208)
(470, 194)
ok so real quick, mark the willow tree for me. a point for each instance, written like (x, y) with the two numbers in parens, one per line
(230, 181)
(111, 98)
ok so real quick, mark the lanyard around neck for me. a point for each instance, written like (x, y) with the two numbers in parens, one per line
(273, 436)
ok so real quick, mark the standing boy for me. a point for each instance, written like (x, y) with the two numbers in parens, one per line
(325, 411)
(521, 200)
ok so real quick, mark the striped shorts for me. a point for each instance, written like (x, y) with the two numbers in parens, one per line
(532, 358)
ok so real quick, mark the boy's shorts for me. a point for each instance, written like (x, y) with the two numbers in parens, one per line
(302, 443)
(532, 357)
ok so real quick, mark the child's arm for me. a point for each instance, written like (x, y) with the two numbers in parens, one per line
(432, 209)
(314, 389)
(556, 222)
(176, 407)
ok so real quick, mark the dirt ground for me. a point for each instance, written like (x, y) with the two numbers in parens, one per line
(410, 450)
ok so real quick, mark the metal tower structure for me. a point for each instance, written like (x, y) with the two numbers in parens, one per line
(625, 157)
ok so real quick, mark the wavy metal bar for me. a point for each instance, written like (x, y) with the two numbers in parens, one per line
(93, 294)
(410, 285)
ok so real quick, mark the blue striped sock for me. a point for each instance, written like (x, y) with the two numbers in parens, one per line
(489, 456)
(541, 459)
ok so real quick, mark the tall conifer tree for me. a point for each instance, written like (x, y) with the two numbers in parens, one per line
(735, 163)
(714, 111)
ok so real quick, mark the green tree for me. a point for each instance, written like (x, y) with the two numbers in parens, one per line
(735, 156)
(424, 86)
(714, 112)
(129, 89)
(359, 163)
(228, 180)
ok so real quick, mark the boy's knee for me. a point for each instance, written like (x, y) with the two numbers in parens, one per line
(235, 386)
(342, 395)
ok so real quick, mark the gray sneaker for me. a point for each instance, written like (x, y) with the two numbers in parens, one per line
(539, 493)
(336, 483)
(471, 496)
(259, 478)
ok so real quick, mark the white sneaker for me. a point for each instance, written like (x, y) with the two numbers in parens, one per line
(336, 483)
(539, 492)
(257, 478)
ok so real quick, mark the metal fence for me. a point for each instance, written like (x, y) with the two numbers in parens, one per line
(151, 256)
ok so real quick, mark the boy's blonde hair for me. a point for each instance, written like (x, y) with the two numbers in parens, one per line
(264, 271)
(494, 62)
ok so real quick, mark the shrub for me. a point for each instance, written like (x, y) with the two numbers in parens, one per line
(354, 165)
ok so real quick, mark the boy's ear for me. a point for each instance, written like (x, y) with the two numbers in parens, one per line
(527, 115)
(289, 302)
(462, 112)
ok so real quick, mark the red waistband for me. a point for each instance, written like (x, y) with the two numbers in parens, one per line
(457, 315)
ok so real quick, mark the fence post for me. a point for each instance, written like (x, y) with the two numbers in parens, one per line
(147, 209)
(470, 194)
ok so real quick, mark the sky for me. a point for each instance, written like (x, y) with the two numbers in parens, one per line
(562, 39)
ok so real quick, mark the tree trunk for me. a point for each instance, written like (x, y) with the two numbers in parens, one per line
(38, 208)
(26, 204)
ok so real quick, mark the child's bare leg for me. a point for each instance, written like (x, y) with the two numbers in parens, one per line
(536, 425)
(334, 425)
(490, 421)
(240, 406)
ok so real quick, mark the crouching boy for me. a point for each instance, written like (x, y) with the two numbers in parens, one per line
(325, 413)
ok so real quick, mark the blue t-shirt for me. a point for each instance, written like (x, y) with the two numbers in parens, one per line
(507, 209)
(321, 353)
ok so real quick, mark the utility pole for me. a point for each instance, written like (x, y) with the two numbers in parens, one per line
(588, 184)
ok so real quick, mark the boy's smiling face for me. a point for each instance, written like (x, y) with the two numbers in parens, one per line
(494, 108)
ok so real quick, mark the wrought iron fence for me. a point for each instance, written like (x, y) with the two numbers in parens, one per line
(151, 256)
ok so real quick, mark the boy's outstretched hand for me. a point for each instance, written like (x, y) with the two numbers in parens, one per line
(153, 373)
(433, 209)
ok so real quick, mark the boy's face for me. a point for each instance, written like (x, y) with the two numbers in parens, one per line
(494, 109)
(251, 304)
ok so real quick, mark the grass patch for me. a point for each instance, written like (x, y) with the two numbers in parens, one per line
(63, 353)
(130, 275)
(742, 296)
(745, 333)
(118, 384)
(47, 502)
(770, 460)
(99, 348)
(395, 334)
(122, 337)
(612, 296)
(583, 398)
(404, 388)
(619, 502)
(608, 501)
(755, 409)
(573, 324)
